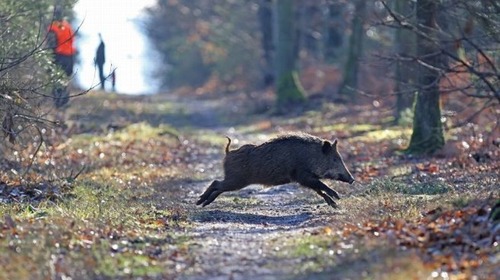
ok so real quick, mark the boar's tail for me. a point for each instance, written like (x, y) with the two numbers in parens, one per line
(228, 143)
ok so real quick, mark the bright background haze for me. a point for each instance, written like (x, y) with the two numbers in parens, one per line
(126, 47)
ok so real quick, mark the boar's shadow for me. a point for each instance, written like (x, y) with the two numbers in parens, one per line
(248, 218)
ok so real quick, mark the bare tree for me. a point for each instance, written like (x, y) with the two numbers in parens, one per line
(265, 14)
(457, 57)
(427, 134)
(405, 41)
(27, 73)
(350, 81)
(288, 87)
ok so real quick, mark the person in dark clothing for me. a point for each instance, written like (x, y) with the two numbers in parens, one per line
(60, 38)
(100, 58)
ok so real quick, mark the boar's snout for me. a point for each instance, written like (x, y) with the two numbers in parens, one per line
(346, 178)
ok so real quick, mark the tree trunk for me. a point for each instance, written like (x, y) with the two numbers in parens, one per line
(288, 87)
(265, 14)
(334, 35)
(405, 70)
(351, 70)
(427, 134)
(310, 17)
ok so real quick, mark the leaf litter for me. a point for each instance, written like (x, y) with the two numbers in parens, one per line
(248, 233)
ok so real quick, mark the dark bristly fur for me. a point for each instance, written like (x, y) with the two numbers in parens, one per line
(300, 158)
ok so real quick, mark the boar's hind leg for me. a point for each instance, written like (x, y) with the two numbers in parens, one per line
(211, 198)
(224, 186)
(208, 193)
(216, 188)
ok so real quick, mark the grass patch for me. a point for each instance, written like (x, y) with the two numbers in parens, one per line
(352, 128)
(100, 203)
(130, 213)
(134, 132)
(325, 254)
(242, 203)
(97, 231)
(310, 245)
(212, 138)
(400, 170)
(379, 263)
(461, 202)
(381, 186)
(143, 131)
(127, 264)
(315, 252)
(378, 135)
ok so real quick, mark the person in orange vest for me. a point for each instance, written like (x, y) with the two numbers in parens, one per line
(61, 39)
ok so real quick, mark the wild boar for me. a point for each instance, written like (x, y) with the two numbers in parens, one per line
(300, 158)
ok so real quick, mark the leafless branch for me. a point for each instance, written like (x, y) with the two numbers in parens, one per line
(33, 156)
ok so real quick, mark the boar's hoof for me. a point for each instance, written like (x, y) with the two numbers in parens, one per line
(200, 201)
(210, 194)
(328, 199)
(331, 203)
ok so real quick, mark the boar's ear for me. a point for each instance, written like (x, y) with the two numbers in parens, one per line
(327, 147)
(335, 143)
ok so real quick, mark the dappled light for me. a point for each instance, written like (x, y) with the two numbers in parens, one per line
(125, 183)
(288, 140)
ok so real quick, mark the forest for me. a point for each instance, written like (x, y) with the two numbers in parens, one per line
(106, 186)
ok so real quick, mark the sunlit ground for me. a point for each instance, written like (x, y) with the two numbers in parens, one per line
(114, 198)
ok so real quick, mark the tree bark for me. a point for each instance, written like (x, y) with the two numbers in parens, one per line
(309, 24)
(265, 14)
(334, 36)
(351, 70)
(288, 88)
(427, 136)
(405, 70)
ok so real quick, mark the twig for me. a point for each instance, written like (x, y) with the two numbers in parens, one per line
(36, 151)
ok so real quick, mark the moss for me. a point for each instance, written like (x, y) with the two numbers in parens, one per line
(461, 202)
(290, 90)
(420, 145)
(427, 136)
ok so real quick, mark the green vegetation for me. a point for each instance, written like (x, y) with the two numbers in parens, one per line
(382, 186)
(27, 73)
(110, 229)
(105, 187)
(130, 212)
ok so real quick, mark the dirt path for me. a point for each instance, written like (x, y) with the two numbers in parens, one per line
(241, 234)
(289, 232)
(131, 214)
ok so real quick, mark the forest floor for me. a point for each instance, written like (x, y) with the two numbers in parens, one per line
(111, 195)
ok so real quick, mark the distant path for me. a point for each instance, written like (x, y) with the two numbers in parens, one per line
(204, 113)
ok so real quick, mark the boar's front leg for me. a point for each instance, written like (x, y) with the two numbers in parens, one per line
(327, 198)
(312, 182)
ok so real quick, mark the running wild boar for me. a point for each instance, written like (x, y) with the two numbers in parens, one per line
(300, 158)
